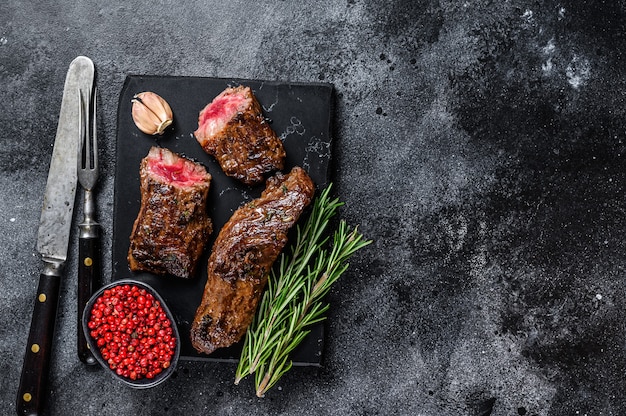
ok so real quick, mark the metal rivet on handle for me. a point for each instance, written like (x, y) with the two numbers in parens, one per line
(88, 262)
(42, 297)
(35, 348)
(27, 397)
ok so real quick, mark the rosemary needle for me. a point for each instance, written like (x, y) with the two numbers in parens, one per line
(293, 299)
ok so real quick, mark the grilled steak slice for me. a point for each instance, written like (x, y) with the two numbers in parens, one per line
(232, 128)
(242, 256)
(172, 227)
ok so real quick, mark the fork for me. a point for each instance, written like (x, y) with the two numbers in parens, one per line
(89, 256)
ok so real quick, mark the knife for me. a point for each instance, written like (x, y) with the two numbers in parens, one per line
(53, 239)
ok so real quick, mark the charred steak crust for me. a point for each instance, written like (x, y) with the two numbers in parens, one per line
(172, 227)
(242, 256)
(232, 128)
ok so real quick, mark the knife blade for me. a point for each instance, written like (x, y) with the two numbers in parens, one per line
(53, 239)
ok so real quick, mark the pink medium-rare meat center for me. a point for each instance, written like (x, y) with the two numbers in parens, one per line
(175, 170)
(214, 117)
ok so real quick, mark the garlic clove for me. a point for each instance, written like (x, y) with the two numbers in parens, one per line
(151, 113)
(145, 119)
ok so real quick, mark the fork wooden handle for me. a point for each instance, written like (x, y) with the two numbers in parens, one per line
(89, 267)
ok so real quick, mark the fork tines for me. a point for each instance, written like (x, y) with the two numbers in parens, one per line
(88, 146)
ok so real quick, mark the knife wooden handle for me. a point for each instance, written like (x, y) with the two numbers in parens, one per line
(89, 267)
(31, 393)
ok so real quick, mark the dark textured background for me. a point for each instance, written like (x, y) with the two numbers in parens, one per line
(479, 143)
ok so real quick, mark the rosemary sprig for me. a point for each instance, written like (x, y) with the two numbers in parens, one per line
(293, 299)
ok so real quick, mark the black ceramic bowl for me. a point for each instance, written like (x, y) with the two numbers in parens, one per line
(143, 382)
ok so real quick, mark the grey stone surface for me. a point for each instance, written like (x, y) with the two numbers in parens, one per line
(479, 144)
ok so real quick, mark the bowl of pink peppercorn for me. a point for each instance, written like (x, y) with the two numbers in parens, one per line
(132, 333)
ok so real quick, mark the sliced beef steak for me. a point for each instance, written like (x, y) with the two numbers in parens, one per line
(172, 226)
(242, 256)
(232, 128)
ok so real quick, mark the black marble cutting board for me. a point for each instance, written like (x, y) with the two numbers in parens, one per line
(299, 113)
